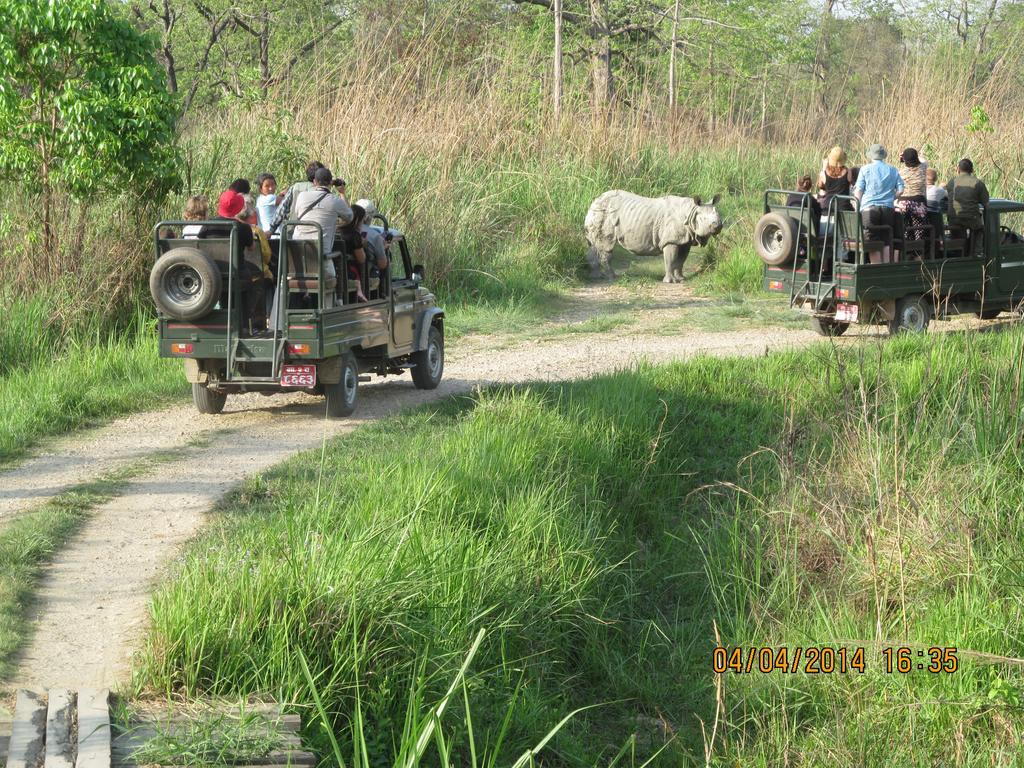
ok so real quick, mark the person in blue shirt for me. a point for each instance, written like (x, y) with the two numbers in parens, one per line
(268, 201)
(878, 183)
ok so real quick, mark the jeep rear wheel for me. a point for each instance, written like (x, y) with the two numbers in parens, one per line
(913, 314)
(428, 364)
(342, 397)
(185, 284)
(828, 326)
(208, 400)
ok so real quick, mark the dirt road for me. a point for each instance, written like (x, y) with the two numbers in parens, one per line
(91, 607)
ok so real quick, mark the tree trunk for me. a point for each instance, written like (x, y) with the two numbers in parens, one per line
(48, 243)
(979, 47)
(672, 58)
(558, 61)
(821, 57)
(602, 80)
(265, 53)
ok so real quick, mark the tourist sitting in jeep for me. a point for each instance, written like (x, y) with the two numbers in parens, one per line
(803, 187)
(230, 205)
(355, 252)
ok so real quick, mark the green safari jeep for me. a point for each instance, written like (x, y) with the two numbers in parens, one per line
(321, 339)
(827, 271)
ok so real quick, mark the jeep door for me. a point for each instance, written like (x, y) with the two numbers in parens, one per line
(403, 295)
(1011, 254)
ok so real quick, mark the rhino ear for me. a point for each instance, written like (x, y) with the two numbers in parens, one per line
(697, 201)
(715, 199)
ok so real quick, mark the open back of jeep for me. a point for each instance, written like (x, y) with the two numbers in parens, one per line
(322, 337)
(937, 272)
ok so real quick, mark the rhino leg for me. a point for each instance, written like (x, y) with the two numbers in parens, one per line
(682, 251)
(599, 260)
(671, 255)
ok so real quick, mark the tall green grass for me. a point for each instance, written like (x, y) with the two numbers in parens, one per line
(605, 531)
(51, 382)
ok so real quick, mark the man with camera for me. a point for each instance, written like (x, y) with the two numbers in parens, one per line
(320, 205)
(287, 208)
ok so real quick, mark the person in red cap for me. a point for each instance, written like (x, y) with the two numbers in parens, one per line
(229, 207)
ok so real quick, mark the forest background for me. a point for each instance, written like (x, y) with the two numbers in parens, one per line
(428, 105)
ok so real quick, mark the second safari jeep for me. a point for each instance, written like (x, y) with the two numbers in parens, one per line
(938, 276)
(321, 341)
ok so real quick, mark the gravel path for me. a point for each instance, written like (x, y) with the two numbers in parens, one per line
(91, 609)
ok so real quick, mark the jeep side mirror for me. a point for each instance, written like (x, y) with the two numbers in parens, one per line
(417, 273)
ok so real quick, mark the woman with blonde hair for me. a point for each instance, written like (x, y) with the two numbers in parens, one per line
(197, 208)
(835, 179)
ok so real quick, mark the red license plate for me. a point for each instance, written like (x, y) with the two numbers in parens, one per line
(847, 313)
(300, 376)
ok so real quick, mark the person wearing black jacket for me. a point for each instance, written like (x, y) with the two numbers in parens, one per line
(229, 206)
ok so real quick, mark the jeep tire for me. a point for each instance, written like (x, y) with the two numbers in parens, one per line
(913, 314)
(428, 364)
(185, 284)
(208, 400)
(775, 238)
(343, 396)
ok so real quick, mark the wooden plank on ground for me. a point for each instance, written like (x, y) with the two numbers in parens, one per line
(139, 736)
(93, 729)
(28, 731)
(5, 739)
(60, 751)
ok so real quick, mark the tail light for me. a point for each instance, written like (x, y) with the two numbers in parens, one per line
(299, 349)
(181, 349)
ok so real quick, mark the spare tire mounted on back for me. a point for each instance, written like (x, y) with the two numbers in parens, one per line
(185, 284)
(775, 238)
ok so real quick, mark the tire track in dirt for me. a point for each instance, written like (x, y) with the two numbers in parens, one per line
(91, 606)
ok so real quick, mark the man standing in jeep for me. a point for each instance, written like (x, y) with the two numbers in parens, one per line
(967, 194)
(320, 205)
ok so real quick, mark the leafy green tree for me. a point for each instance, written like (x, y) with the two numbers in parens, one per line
(83, 103)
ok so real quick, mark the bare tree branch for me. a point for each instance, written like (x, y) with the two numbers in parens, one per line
(218, 24)
(305, 49)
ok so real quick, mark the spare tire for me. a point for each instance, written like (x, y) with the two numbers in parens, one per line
(185, 284)
(775, 238)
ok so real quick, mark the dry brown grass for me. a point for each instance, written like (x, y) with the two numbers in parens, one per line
(461, 145)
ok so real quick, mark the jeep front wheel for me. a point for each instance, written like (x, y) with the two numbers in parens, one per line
(428, 364)
(913, 314)
(342, 396)
(208, 400)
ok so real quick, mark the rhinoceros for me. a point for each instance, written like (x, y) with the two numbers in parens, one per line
(645, 226)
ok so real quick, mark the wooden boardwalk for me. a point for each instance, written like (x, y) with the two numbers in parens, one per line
(73, 729)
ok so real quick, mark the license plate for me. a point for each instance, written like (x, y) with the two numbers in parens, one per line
(300, 376)
(847, 313)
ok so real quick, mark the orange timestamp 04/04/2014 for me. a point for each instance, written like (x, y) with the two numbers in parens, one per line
(825, 660)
